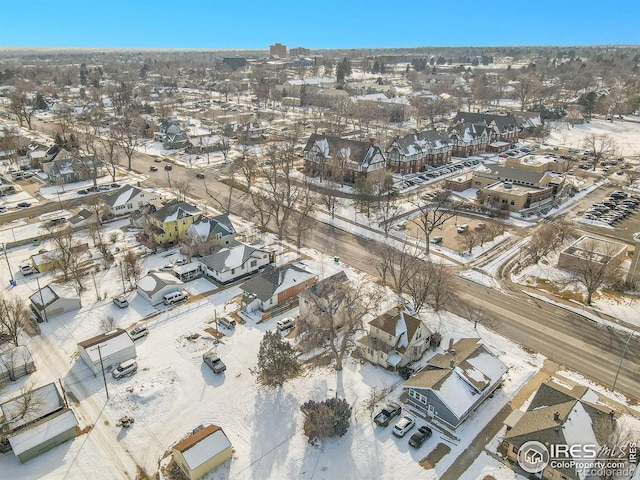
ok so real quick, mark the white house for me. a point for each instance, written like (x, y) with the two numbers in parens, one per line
(114, 347)
(156, 284)
(235, 262)
(129, 199)
(47, 303)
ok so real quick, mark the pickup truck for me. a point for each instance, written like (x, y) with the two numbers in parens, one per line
(385, 415)
(214, 362)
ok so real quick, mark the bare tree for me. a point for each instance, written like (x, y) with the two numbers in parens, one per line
(441, 291)
(131, 267)
(472, 312)
(15, 360)
(21, 105)
(601, 146)
(596, 267)
(128, 130)
(632, 177)
(247, 165)
(338, 310)
(14, 316)
(67, 254)
(528, 86)
(27, 404)
(303, 219)
(398, 264)
(435, 213)
(181, 187)
(469, 240)
(107, 323)
(541, 243)
(110, 151)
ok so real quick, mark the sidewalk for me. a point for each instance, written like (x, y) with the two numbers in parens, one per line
(491, 429)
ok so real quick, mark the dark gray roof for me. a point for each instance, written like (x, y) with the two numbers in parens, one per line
(359, 152)
(177, 209)
(218, 261)
(515, 175)
(421, 141)
(265, 285)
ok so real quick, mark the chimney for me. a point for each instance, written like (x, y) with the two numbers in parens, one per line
(451, 344)
(556, 416)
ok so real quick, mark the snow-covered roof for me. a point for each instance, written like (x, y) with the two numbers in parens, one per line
(15, 359)
(203, 445)
(154, 281)
(109, 343)
(44, 297)
(45, 401)
(37, 435)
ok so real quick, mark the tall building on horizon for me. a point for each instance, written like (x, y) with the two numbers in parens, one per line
(299, 52)
(278, 49)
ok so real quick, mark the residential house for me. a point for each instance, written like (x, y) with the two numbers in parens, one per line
(170, 224)
(215, 231)
(274, 287)
(315, 297)
(561, 413)
(384, 105)
(155, 285)
(62, 167)
(82, 219)
(234, 262)
(412, 152)
(455, 383)
(52, 300)
(469, 140)
(341, 159)
(47, 424)
(129, 199)
(49, 260)
(176, 142)
(15, 363)
(202, 451)
(106, 349)
(395, 339)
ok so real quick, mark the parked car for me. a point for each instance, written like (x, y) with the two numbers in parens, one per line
(121, 301)
(104, 188)
(168, 167)
(422, 435)
(3, 209)
(138, 332)
(436, 240)
(125, 369)
(181, 261)
(153, 169)
(385, 415)
(463, 228)
(285, 323)
(115, 185)
(23, 205)
(200, 175)
(83, 192)
(28, 270)
(93, 189)
(227, 322)
(405, 424)
(213, 362)
(480, 226)
(157, 160)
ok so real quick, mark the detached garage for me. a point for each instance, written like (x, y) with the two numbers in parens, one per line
(202, 451)
(156, 284)
(44, 435)
(115, 347)
(49, 302)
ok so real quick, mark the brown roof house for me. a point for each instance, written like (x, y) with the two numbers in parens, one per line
(204, 450)
(561, 413)
(395, 339)
(453, 384)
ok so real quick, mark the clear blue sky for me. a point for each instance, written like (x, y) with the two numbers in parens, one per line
(243, 24)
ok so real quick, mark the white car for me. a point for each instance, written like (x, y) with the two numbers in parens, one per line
(121, 301)
(405, 424)
(138, 332)
(27, 270)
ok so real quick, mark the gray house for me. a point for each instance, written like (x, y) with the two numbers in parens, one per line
(453, 384)
(156, 284)
(107, 349)
(42, 427)
(47, 303)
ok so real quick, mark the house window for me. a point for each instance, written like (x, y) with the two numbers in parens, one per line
(175, 228)
(514, 449)
(253, 263)
(233, 271)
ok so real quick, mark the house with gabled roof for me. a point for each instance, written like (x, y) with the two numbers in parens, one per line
(215, 231)
(342, 159)
(455, 383)
(129, 199)
(275, 286)
(110, 348)
(61, 171)
(316, 296)
(170, 224)
(409, 154)
(234, 262)
(46, 424)
(561, 413)
(395, 339)
(202, 451)
(156, 284)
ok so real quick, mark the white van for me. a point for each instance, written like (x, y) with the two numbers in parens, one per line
(285, 323)
(174, 297)
(125, 368)
(227, 322)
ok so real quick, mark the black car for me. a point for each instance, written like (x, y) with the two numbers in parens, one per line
(385, 415)
(115, 185)
(23, 205)
(82, 192)
(168, 167)
(421, 436)
(200, 175)
(153, 169)
(93, 189)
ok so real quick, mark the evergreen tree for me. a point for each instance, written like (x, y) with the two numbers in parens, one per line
(326, 419)
(277, 360)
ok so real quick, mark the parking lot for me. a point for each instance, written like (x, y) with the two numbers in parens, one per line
(614, 214)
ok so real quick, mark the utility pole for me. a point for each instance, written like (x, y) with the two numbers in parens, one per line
(124, 290)
(624, 352)
(44, 307)
(104, 378)
(4, 248)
